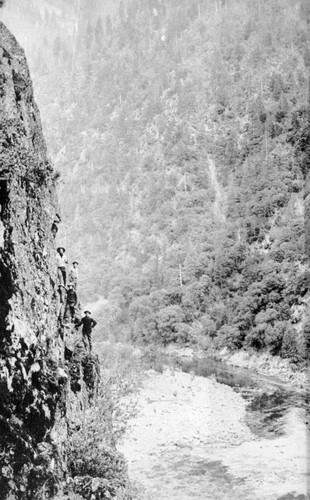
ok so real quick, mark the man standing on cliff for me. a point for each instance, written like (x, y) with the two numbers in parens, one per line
(88, 324)
(74, 273)
(71, 303)
(62, 292)
(62, 263)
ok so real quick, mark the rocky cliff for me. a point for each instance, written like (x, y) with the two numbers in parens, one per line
(41, 380)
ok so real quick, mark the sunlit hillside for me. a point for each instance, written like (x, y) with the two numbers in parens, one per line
(180, 129)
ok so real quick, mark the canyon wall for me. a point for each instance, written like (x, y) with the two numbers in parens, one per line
(41, 363)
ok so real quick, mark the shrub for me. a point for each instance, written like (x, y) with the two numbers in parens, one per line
(289, 348)
(169, 320)
(230, 336)
(96, 468)
(90, 458)
(208, 325)
(306, 333)
(256, 336)
(274, 336)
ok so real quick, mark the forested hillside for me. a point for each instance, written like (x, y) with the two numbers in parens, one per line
(181, 131)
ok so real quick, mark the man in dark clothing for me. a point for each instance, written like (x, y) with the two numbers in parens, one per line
(62, 291)
(54, 228)
(55, 225)
(71, 302)
(88, 324)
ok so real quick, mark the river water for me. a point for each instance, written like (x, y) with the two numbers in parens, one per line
(206, 430)
(268, 399)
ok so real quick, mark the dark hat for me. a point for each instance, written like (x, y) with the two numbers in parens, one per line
(87, 312)
(75, 262)
(61, 248)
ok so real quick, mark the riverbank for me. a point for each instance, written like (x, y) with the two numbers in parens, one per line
(190, 440)
(262, 363)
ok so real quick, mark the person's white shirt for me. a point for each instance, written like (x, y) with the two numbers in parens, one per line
(62, 260)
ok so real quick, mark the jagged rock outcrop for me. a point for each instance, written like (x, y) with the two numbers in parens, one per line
(37, 392)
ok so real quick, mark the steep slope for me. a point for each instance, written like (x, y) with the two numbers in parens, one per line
(40, 391)
(196, 221)
(183, 148)
(31, 390)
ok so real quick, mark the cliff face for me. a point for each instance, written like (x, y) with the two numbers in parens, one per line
(35, 386)
(30, 392)
(28, 205)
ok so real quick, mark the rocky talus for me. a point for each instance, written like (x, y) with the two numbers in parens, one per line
(43, 382)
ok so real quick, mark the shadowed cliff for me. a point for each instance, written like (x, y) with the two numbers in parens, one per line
(39, 389)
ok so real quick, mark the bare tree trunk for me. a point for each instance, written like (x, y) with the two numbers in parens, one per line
(180, 275)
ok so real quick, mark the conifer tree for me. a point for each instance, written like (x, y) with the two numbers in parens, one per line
(88, 35)
(121, 11)
(109, 26)
(57, 47)
(98, 31)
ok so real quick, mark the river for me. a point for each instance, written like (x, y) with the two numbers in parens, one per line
(205, 430)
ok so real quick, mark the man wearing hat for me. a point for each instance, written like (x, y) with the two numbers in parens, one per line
(62, 263)
(88, 324)
(74, 273)
(71, 302)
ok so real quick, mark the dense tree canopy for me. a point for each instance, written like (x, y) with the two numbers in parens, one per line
(181, 130)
